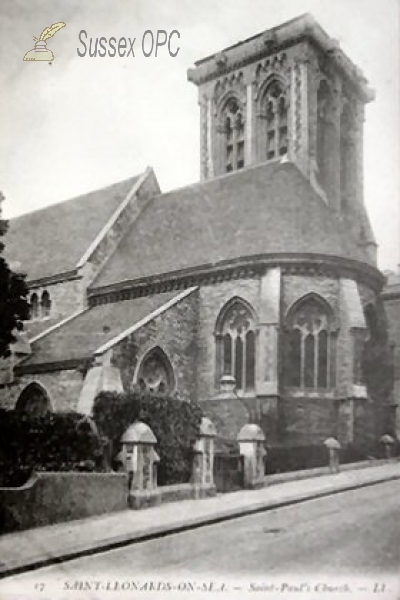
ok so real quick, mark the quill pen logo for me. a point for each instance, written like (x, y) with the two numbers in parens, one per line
(40, 51)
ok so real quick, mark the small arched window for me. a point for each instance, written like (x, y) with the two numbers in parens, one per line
(310, 345)
(33, 400)
(34, 306)
(155, 373)
(274, 111)
(236, 345)
(45, 304)
(232, 120)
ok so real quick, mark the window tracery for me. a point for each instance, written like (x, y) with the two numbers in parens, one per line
(236, 341)
(233, 131)
(310, 346)
(274, 111)
(156, 373)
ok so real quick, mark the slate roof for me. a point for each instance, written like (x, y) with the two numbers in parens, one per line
(82, 335)
(267, 209)
(51, 240)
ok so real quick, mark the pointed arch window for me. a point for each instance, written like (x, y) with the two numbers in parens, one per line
(236, 345)
(233, 131)
(34, 308)
(33, 400)
(45, 304)
(310, 346)
(156, 373)
(274, 111)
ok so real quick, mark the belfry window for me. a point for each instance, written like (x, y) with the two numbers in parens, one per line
(233, 130)
(274, 111)
(236, 340)
(156, 373)
(310, 346)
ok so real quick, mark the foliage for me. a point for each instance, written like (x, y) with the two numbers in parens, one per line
(14, 307)
(48, 442)
(174, 423)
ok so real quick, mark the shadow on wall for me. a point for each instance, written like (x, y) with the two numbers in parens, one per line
(48, 498)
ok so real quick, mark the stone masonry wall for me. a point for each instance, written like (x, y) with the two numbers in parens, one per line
(62, 387)
(304, 418)
(175, 333)
(392, 310)
(66, 297)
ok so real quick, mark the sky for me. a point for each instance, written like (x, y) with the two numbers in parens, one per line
(82, 123)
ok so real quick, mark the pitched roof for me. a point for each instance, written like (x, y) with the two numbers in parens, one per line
(267, 209)
(51, 240)
(80, 337)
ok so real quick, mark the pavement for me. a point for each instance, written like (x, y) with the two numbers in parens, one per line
(36, 548)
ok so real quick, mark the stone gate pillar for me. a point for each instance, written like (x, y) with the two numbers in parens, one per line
(251, 441)
(140, 460)
(203, 464)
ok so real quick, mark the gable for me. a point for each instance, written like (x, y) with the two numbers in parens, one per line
(52, 240)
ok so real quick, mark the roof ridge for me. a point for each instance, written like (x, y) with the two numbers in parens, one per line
(207, 182)
(133, 190)
(84, 194)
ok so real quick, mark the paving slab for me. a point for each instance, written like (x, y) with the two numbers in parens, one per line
(35, 548)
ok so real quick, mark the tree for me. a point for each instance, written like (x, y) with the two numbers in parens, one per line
(14, 307)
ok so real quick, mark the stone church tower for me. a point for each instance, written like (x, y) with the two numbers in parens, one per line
(253, 292)
(291, 95)
(288, 93)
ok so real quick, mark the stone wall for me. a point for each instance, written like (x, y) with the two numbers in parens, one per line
(67, 297)
(174, 331)
(49, 498)
(392, 310)
(62, 387)
(307, 420)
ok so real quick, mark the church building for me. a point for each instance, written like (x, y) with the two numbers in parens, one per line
(254, 292)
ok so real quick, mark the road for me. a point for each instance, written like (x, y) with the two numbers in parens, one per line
(349, 535)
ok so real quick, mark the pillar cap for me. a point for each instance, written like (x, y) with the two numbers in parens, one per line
(332, 444)
(207, 428)
(387, 439)
(138, 433)
(251, 433)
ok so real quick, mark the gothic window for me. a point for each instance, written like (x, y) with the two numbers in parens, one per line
(274, 111)
(310, 346)
(34, 310)
(45, 304)
(156, 373)
(233, 132)
(236, 345)
(33, 400)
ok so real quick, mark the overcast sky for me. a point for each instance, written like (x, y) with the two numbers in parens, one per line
(82, 123)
